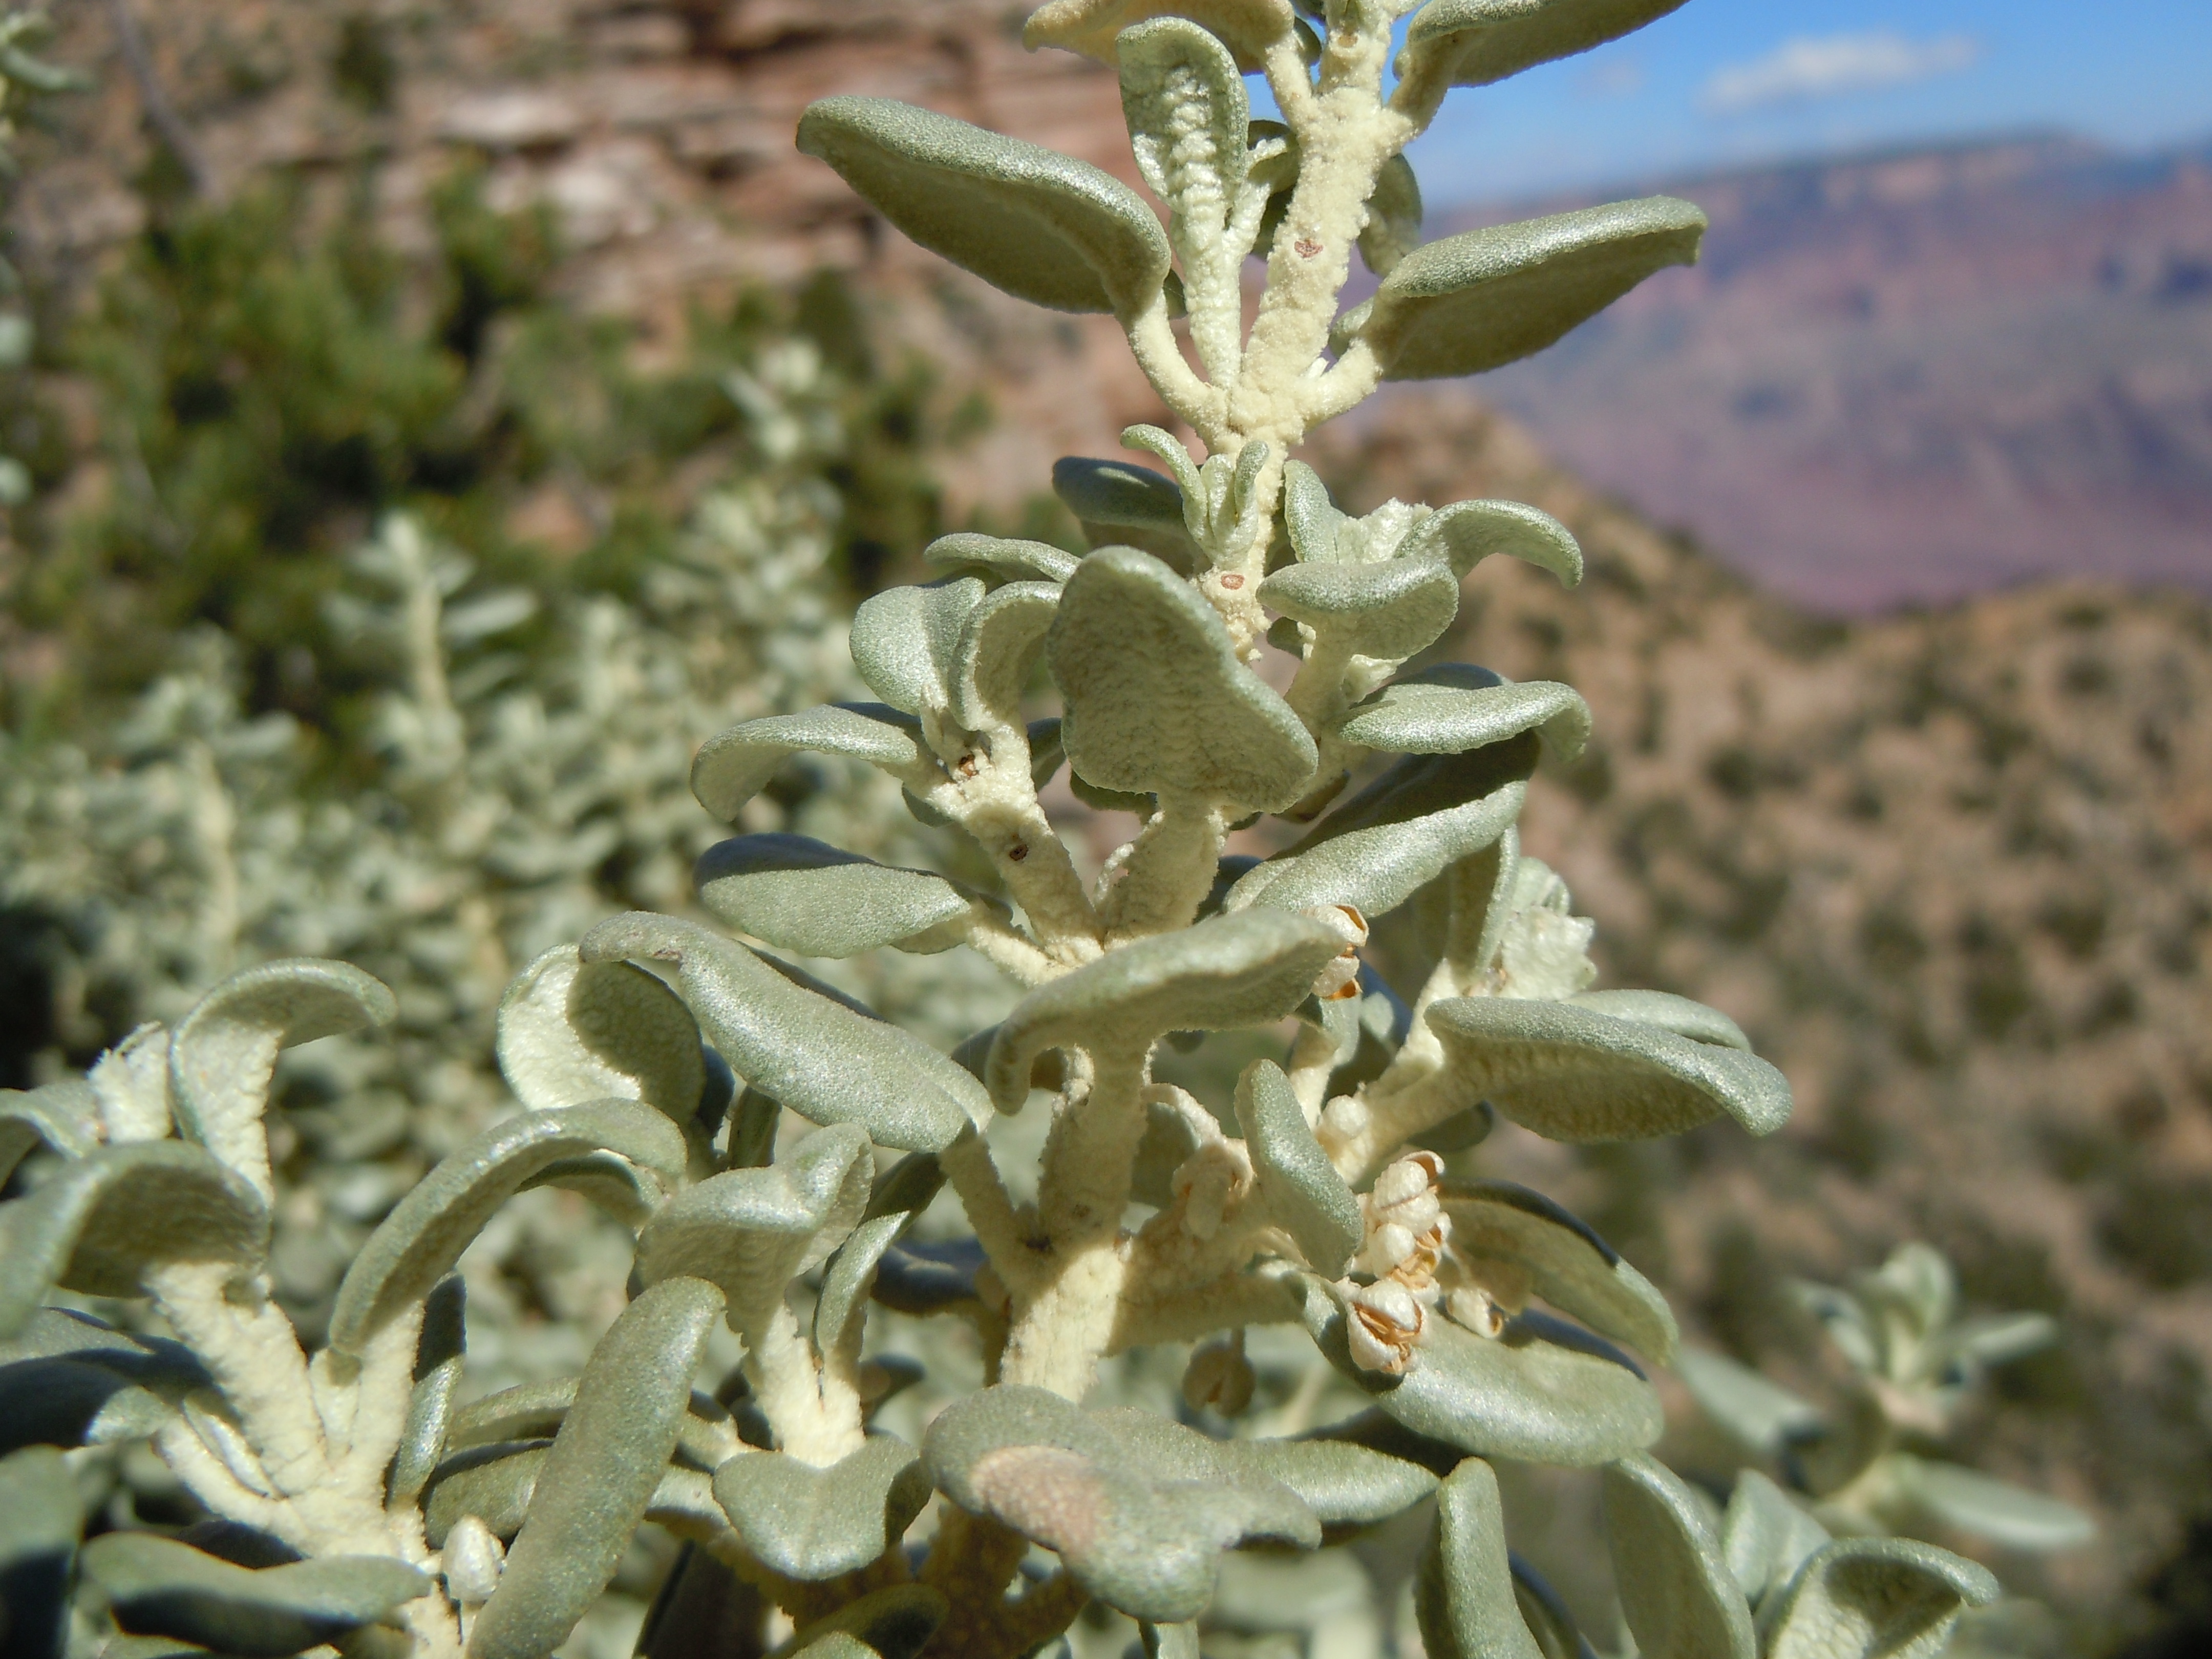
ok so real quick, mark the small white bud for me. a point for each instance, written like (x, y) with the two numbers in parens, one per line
(1470, 1306)
(473, 1558)
(1385, 1322)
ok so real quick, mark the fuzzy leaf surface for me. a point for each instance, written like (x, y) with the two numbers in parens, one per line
(570, 1032)
(1565, 1263)
(599, 1476)
(1487, 298)
(1424, 715)
(1465, 533)
(1094, 26)
(1302, 1186)
(1464, 1596)
(161, 1587)
(1765, 1536)
(1475, 42)
(1156, 701)
(1680, 1601)
(64, 1117)
(1007, 559)
(1874, 1598)
(1573, 1074)
(808, 897)
(731, 769)
(99, 1223)
(1036, 224)
(1224, 974)
(814, 1523)
(903, 639)
(1390, 609)
(820, 1058)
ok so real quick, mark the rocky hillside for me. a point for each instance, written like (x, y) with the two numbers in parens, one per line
(1916, 375)
(1953, 871)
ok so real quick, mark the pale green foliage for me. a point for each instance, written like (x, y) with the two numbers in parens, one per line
(1916, 1362)
(762, 1213)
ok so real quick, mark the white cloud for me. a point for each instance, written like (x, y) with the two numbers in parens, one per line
(1824, 66)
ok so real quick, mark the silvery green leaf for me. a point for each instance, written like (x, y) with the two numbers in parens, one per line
(1563, 1260)
(1676, 1591)
(158, 1586)
(1573, 1074)
(492, 1482)
(997, 652)
(417, 1244)
(840, 1311)
(1874, 1598)
(925, 1279)
(612, 1185)
(534, 1411)
(1679, 1015)
(1125, 504)
(1310, 516)
(570, 1032)
(1465, 533)
(73, 1402)
(893, 1623)
(1303, 1191)
(1156, 698)
(806, 896)
(812, 1524)
(1765, 1536)
(1224, 974)
(819, 1058)
(1486, 298)
(64, 1117)
(730, 769)
(1764, 1416)
(1374, 852)
(98, 1222)
(1521, 1395)
(1393, 217)
(1138, 1508)
(41, 1514)
(1045, 752)
(1169, 1641)
(224, 1051)
(1094, 26)
(1345, 1485)
(906, 1188)
(1005, 559)
(1426, 714)
(1390, 609)
(1998, 1339)
(702, 1608)
(1038, 225)
(439, 1351)
(1472, 43)
(599, 1476)
(1973, 1503)
(1169, 1140)
(904, 639)
(753, 1126)
(752, 1232)
(1186, 112)
(168, 1368)
(1464, 1596)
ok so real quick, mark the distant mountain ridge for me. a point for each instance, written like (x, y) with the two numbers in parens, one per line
(1911, 375)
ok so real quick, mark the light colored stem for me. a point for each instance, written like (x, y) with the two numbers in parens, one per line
(1313, 1058)
(816, 1418)
(1152, 343)
(1057, 1338)
(1007, 948)
(249, 1348)
(1082, 1183)
(967, 1165)
(1234, 1300)
(1168, 871)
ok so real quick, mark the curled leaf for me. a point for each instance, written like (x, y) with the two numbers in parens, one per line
(159, 1586)
(99, 1223)
(1472, 43)
(1572, 1074)
(751, 1232)
(1765, 1536)
(1676, 1591)
(1302, 1188)
(1390, 609)
(570, 1032)
(903, 639)
(1125, 504)
(1094, 26)
(1004, 559)
(417, 1244)
(1427, 713)
(1139, 1508)
(812, 1524)
(1157, 700)
(1874, 1598)
(806, 896)
(224, 1051)
(732, 768)
(1486, 298)
(1496, 1224)
(63, 1117)
(820, 1058)
(1224, 973)
(1465, 533)
(996, 652)
(1523, 1394)
(601, 1472)
(1039, 225)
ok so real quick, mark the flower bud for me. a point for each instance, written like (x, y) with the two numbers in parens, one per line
(1384, 1321)
(473, 1558)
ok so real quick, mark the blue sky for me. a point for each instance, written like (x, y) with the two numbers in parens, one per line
(1723, 81)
